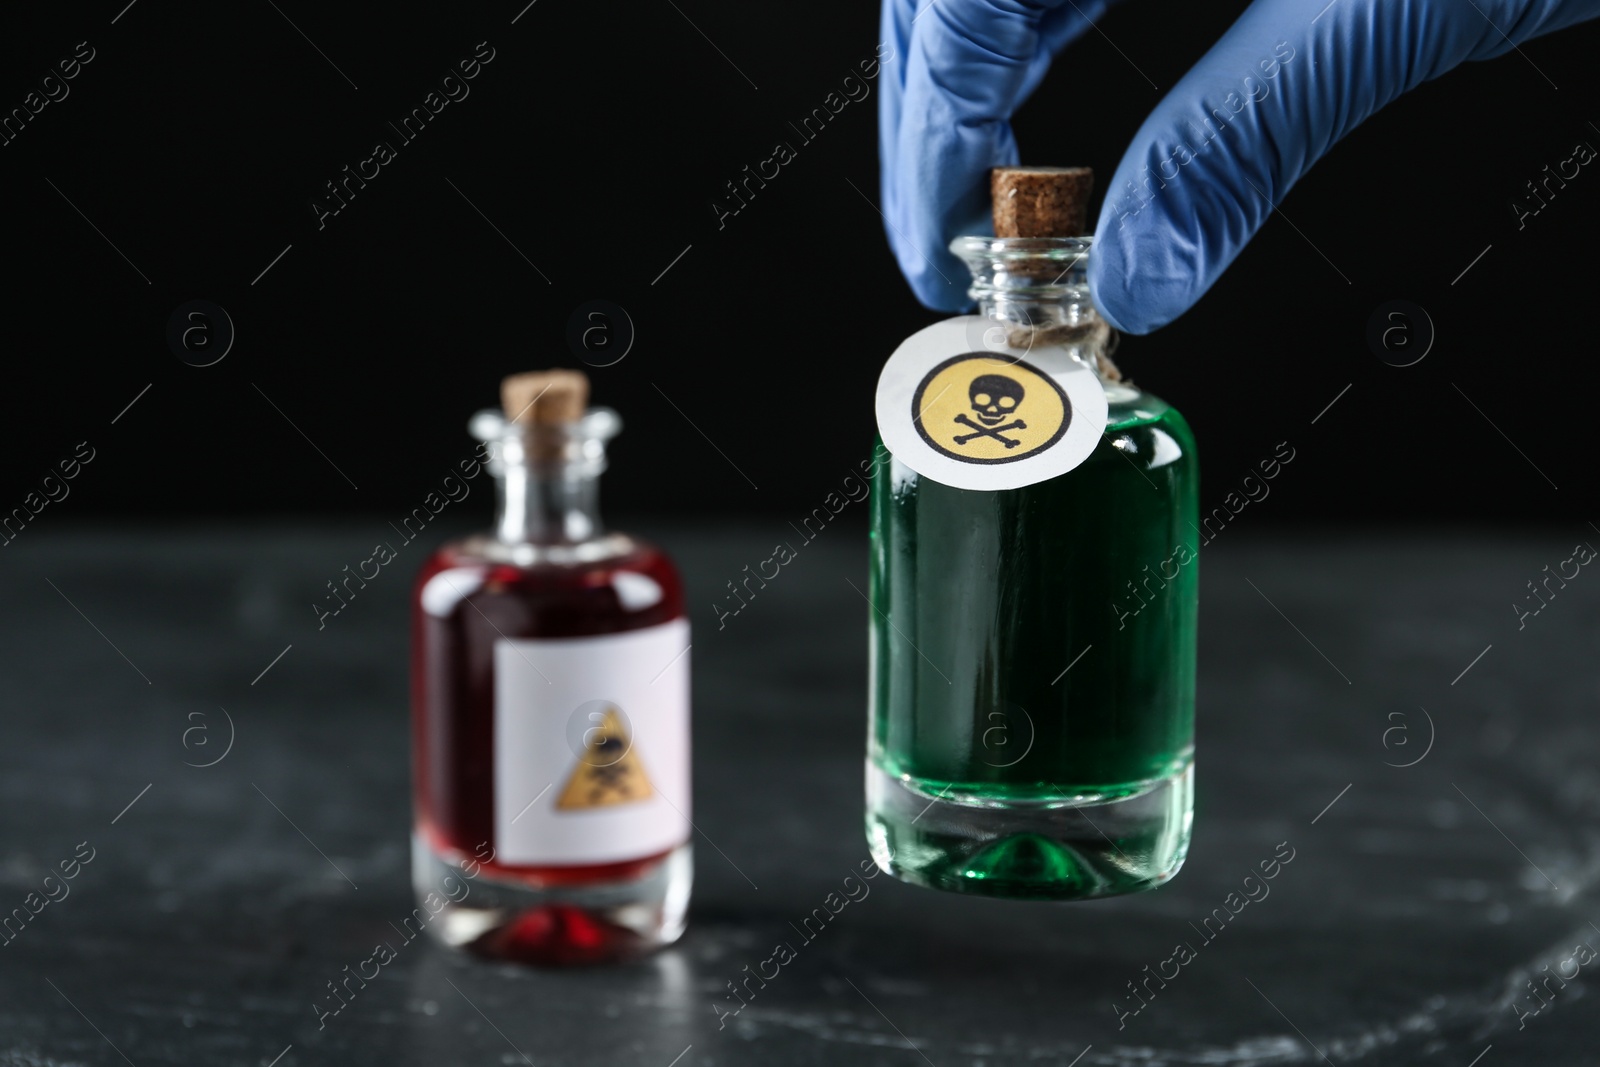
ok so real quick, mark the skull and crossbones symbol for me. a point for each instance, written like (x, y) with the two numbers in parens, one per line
(607, 771)
(994, 397)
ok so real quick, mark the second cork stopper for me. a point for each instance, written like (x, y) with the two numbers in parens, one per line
(545, 397)
(1041, 201)
(546, 405)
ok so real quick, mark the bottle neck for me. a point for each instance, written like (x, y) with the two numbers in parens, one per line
(547, 477)
(546, 505)
(1036, 292)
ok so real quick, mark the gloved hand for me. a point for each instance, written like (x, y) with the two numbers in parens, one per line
(1282, 86)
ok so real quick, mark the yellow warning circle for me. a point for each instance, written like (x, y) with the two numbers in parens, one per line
(609, 771)
(979, 408)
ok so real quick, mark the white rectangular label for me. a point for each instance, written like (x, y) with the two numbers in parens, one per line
(591, 746)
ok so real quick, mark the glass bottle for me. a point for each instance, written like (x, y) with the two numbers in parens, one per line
(1033, 649)
(550, 717)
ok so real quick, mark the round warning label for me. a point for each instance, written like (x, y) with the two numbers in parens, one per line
(970, 408)
(958, 405)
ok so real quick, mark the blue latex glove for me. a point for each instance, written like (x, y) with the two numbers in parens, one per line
(1282, 86)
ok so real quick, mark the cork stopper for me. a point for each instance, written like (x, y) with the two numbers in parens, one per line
(1041, 201)
(545, 397)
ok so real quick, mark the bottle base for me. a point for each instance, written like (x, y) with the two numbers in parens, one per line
(502, 917)
(1030, 850)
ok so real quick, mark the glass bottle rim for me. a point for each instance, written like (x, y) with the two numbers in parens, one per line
(597, 426)
(1054, 249)
(570, 451)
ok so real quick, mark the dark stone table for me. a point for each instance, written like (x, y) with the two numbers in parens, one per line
(1418, 903)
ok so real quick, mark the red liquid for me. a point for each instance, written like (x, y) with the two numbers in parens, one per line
(452, 687)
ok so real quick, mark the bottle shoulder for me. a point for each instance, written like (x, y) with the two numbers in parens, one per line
(628, 584)
(1128, 405)
(1144, 432)
(610, 551)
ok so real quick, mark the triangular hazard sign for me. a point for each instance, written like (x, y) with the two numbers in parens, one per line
(609, 771)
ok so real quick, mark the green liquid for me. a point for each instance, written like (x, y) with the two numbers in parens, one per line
(1015, 664)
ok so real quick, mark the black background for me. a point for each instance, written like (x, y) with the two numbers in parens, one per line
(596, 141)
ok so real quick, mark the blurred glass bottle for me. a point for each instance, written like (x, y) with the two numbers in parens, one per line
(1033, 647)
(550, 689)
